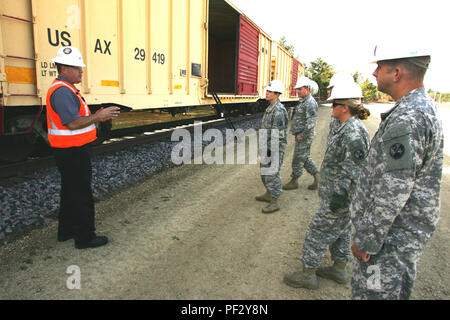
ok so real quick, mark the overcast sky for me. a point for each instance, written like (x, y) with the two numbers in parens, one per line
(345, 32)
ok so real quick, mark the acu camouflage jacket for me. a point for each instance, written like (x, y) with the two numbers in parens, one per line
(305, 117)
(276, 117)
(346, 150)
(396, 200)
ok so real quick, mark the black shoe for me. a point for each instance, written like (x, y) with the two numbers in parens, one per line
(97, 241)
(64, 237)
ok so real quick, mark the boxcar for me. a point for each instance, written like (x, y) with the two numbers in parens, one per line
(144, 54)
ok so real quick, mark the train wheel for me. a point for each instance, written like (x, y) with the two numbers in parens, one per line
(18, 146)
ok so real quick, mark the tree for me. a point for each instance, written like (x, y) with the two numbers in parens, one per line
(357, 76)
(369, 90)
(289, 47)
(439, 96)
(321, 72)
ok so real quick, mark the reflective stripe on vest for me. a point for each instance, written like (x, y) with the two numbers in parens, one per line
(59, 135)
(70, 132)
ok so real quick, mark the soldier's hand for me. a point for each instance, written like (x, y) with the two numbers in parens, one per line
(360, 255)
(338, 202)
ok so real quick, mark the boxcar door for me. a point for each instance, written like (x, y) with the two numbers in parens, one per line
(294, 77)
(247, 75)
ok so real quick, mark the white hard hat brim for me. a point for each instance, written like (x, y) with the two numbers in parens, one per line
(268, 88)
(344, 97)
(394, 58)
(56, 60)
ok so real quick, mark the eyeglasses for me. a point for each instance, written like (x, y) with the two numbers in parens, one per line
(337, 104)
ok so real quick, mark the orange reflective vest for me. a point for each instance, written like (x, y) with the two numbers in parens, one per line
(59, 135)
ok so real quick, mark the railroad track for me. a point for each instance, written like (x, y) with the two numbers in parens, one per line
(122, 139)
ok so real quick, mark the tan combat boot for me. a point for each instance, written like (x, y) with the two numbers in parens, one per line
(302, 279)
(266, 197)
(313, 186)
(336, 272)
(272, 206)
(291, 185)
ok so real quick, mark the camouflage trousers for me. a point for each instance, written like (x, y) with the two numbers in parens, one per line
(273, 182)
(389, 275)
(327, 230)
(302, 159)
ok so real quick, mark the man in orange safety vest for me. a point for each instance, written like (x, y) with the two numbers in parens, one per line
(71, 129)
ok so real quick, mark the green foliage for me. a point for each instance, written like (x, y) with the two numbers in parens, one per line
(384, 97)
(357, 76)
(289, 47)
(370, 91)
(439, 96)
(321, 72)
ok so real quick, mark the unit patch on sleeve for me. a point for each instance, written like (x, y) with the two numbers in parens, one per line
(357, 151)
(397, 147)
(358, 155)
(397, 150)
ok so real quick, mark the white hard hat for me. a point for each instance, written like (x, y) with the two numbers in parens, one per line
(314, 87)
(385, 52)
(303, 82)
(340, 77)
(69, 56)
(276, 86)
(346, 90)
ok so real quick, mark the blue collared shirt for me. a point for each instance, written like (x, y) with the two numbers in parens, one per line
(65, 103)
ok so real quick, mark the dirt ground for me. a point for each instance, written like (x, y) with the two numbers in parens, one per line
(196, 232)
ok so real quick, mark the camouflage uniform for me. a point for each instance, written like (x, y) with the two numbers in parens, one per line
(275, 117)
(303, 122)
(345, 153)
(334, 126)
(395, 207)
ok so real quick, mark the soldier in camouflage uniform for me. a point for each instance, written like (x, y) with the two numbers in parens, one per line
(341, 78)
(303, 122)
(395, 207)
(330, 227)
(274, 124)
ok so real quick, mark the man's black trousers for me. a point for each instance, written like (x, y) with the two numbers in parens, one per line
(77, 210)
